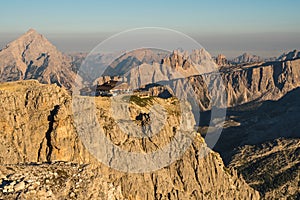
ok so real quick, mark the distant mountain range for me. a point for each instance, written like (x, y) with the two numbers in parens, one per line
(247, 58)
(244, 59)
(32, 56)
(246, 78)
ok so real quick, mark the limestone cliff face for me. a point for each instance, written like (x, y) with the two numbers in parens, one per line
(268, 81)
(37, 125)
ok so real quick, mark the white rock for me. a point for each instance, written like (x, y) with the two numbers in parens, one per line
(31, 192)
(72, 194)
(19, 186)
(12, 183)
(31, 187)
(10, 190)
(2, 176)
(49, 193)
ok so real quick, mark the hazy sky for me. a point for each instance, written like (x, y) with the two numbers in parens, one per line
(264, 27)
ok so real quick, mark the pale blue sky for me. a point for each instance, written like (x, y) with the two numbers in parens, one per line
(259, 26)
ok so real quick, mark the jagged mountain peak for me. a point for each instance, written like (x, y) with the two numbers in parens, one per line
(32, 56)
(221, 60)
(196, 55)
(186, 59)
(31, 39)
(31, 30)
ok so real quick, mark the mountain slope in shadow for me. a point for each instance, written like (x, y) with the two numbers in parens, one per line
(260, 122)
(264, 145)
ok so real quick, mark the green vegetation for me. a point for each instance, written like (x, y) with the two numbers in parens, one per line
(142, 102)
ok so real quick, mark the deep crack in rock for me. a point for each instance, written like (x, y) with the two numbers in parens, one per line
(48, 133)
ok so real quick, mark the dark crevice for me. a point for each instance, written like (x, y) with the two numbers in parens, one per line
(154, 182)
(27, 98)
(261, 73)
(196, 165)
(28, 70)
(40, 149)
(39, 71)
(23, 53)
(49, 131)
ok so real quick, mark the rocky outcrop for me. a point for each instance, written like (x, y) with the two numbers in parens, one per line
(32, 56)
(58, 180)
(222, 61)
(37, 126)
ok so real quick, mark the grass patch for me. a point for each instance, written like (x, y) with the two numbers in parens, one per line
(142, 102)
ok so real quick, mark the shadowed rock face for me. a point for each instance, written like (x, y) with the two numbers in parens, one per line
(37, 125)
(32, 56)
(276, 164)
(261, 141)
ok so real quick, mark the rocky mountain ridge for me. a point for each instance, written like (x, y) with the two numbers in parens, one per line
(247, 58)
(267, 81)
(37, 126)
(292, 55)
